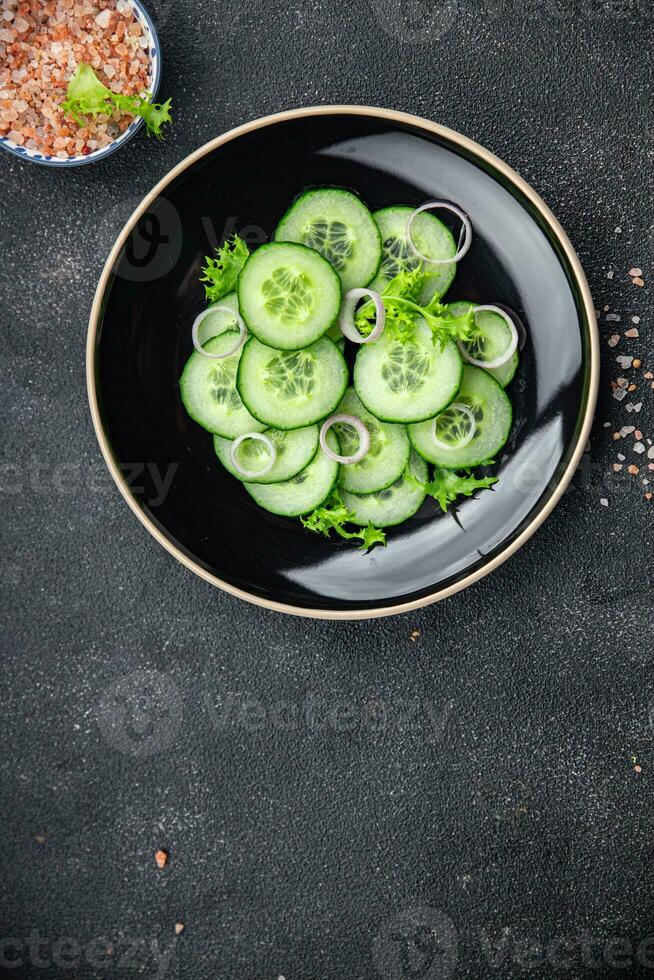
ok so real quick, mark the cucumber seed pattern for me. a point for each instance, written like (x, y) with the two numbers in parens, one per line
(288, 296)
(331, 239)
(474, 406)
(405, 368)
(349, 439)
(222, 384)
(291, 374)
(253, 451)
(453, 426)
(397, 258)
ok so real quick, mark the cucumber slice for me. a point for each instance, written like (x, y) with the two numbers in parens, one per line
(407, 381)
(493, 339)
(306, 491)
(207, 388)
(339, 226)
(387, 457)
(288, 295)
(295, 450)
(291, 389)
(393, 505)
(493, 413)
(431, 237)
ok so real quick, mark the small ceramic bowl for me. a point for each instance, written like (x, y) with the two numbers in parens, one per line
(35, 156)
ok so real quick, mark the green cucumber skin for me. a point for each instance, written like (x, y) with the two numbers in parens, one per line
(421, 475)
(475, 461)
(427, 291)
(505, 374)
(225, 434)
(388, 418)
(279, 230)
(253, 488)
(302, 425)
(262, 481)
(385, 486)
(301, 513)
(242, 288)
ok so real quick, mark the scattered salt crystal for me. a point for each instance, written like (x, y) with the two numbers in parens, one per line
(103, 18)
(635, 272)
(618, 230)
(629, 406)
(604, 502)
(635, 319)
(8, 14)
(21, 25)
(619, 394)
(109, 71)
(609, 275)
(607, 425)
(632, 332)
(6, 35)
(613, 317)
(626, 430)
(638, 406)
(624, 360)
(621, 457)
(613, 340)
(650, 452)
(639, 448)
(622, 383)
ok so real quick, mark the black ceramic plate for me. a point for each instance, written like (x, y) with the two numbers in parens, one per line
(140, 338)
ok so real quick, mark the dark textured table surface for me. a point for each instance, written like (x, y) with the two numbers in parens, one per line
(337, 800)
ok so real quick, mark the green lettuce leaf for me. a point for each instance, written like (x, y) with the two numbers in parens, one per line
(447, 485)
(221, 273)
(333, 515)
(87, 96)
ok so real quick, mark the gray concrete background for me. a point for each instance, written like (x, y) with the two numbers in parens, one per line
(337, 800)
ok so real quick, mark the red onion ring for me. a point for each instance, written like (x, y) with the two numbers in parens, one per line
(260, 437)
(346, 316)
(465, 233)
(466, 411)
(508, 353)
(364, 438)
(200, 319)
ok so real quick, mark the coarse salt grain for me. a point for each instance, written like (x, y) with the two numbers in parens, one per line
(604, 502)
(613, 340)
(635, 271)
(619, 394)
(632, 332)
(639, 448)
(43, 50)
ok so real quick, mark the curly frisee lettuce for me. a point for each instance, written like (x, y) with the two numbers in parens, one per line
(446, 485)
(333, 515)
(400, 299)
(221, 273)
(87, 96)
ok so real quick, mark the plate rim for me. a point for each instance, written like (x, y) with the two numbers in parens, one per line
(479, 152)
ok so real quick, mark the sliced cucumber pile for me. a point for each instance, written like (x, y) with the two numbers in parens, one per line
(387, 457)
(288, 295)
(345, 452)
(291, 389)
(492, 411)
(394, 504)
(339, 226)
(208, 390)
(407, 381)
(492, 340)
(432, 238)
(304, 492)
(294, 450)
